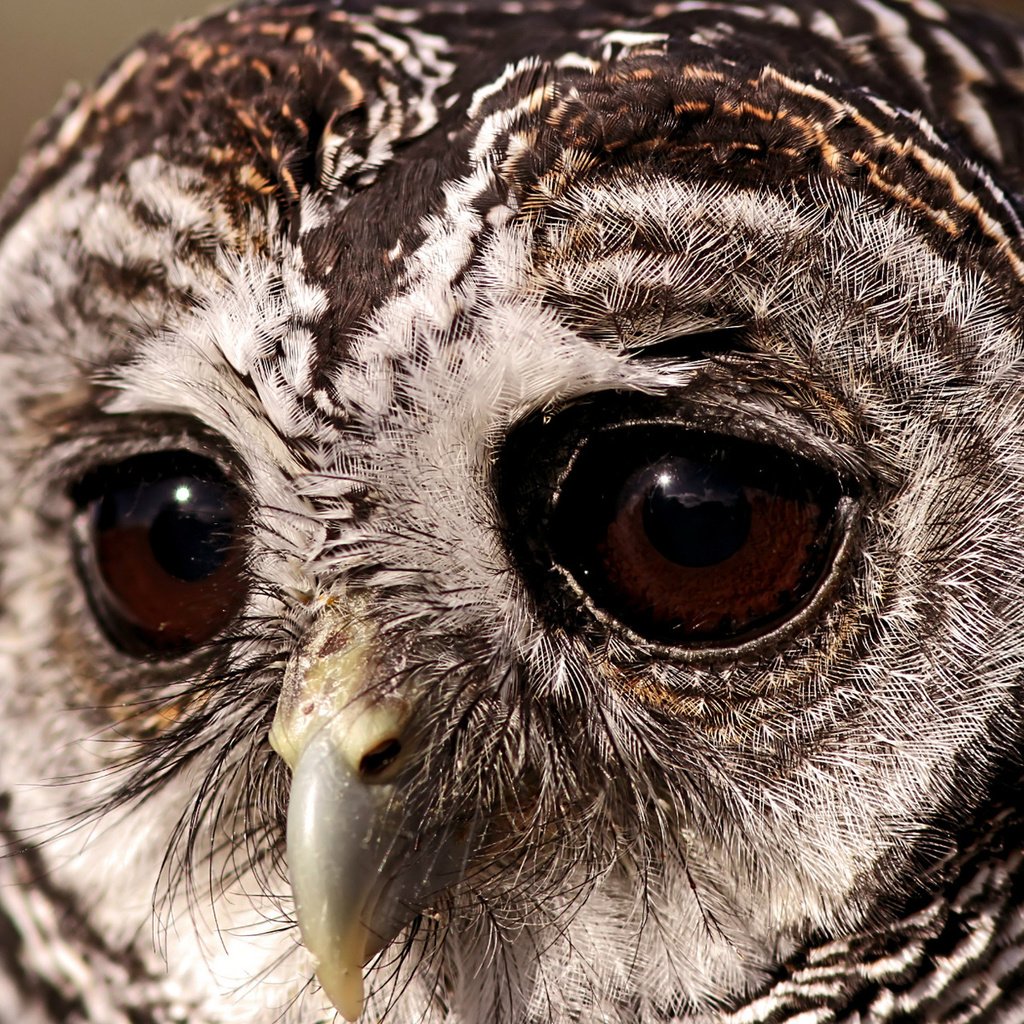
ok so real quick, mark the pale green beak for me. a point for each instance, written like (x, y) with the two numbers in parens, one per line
(358, 879)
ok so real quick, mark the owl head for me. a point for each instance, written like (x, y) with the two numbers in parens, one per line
(513, 515)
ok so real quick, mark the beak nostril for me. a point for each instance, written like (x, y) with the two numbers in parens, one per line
(376, 760)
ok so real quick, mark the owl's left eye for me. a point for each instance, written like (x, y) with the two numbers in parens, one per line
(694, 538)
(159, 551)
(687, 537)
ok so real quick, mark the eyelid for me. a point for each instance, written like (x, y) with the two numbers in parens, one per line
(708, 408)
(108, 440)
(691, 348)
(735, 387)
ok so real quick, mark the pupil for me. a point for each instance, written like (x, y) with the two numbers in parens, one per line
(188, 534)
(183, 520)
(695, 514)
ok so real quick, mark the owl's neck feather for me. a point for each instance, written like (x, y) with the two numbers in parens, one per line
(955, 951)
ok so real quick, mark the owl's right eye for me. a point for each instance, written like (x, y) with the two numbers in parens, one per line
(160, 552)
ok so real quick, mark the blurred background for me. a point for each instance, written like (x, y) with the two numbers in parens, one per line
(46, 43)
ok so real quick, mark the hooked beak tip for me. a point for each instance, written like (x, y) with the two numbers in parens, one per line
(343, 985)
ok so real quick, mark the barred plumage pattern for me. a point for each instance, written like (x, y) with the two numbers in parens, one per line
(369, 262)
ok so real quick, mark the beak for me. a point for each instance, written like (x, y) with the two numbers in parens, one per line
(359, 872)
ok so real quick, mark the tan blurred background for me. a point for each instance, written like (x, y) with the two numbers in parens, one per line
(45, 43)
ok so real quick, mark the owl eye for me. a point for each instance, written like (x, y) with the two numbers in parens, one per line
(691, 538)
(159, 551)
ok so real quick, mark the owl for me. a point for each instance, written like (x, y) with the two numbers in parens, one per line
(514, 515)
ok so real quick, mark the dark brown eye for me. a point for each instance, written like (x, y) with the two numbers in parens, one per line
(694, 538)
(160, 552)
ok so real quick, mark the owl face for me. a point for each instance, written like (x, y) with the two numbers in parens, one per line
(514, 522)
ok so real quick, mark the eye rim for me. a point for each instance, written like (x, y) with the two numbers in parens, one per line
(85, 490)
(756, 638)
(543, 450)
